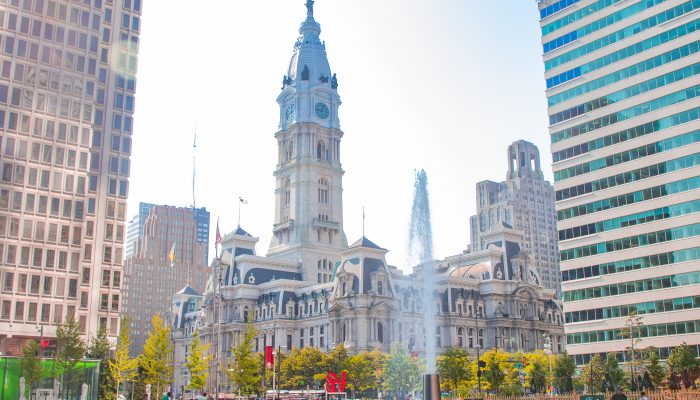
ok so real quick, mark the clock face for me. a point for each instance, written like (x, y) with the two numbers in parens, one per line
(321, 110)
(289, 112)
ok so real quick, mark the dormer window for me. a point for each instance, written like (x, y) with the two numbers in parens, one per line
(344, 289)
(380, 288)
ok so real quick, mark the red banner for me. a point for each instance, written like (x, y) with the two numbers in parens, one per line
(269, 356)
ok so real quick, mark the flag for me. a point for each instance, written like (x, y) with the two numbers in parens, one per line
(171, 256)
(218, 233)
(242, 201)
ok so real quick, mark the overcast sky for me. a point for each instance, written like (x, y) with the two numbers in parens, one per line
(443, 85)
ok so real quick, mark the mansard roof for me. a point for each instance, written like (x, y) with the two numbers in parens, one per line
(364, 242)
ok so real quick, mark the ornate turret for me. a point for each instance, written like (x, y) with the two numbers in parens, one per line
(308, 225)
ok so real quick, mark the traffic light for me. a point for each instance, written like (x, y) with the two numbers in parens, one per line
(524, 362)
(482, 364)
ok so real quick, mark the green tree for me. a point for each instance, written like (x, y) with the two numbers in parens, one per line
(156, 359)
(198, 363)
(99, 349)
(656, 371)
(337, 360)
(30, 365)
(400, 371)
(632, 330)
(303, 367)
(138, 387)
(71, 348)
(122, 368)
(614, 375)
(682, 367)
(453, 368)
(564, 369)
(593, 374)
(244, 369)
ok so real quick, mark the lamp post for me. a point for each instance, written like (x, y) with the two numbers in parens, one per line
(477, 314)
(223, 259)
(548, 352)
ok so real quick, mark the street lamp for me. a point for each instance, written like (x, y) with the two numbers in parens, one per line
(477, 314)
(224, 259)
(548, 352)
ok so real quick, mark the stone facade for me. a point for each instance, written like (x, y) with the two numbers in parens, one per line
(312, 289)
(524, 201)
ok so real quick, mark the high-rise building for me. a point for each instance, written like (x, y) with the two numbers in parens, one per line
(525, 202)
(134, 228)
(67, 85)
(167, 257)
(624, 102)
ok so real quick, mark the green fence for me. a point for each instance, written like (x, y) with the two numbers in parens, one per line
(69, 385)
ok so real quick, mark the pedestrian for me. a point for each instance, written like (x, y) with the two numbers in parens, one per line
(644, 396)
(618, 394)
(168, 396)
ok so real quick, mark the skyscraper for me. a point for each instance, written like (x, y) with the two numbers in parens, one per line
(135, 228)
(622, 90)
(167, 257)
(524, 201)
(67, 85)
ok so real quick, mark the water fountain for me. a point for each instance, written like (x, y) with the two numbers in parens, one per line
(420, 245)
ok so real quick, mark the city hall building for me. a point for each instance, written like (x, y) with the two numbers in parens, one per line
(313, 288)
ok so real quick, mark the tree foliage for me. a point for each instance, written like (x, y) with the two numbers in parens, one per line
(302, 367)
(156, 359)
(99, 349)
(453, 368)
(656, 371)
(71, 348)
(400, 371)
(683, 367)
(593, 374)
(614, 375)
(244, 369)
(564, 370)
(30, 365)
(198, 363)
(122, 368)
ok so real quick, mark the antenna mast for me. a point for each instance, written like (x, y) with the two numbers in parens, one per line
(194, 167)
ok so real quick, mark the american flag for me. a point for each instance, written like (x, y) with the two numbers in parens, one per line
(218, 233)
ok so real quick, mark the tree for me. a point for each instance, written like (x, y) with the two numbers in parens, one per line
(537, 370)
(122, 368)
(198, 363)
(99, 349)
(361, 376)
(337, 360)
(564, 370)
(682, 367)
(453, 367)
(614, 376)
(156, 359)
(632, 330)
(30, 364)
(593, 374)
(244, 370)
(400, 371)
(303, 367)
(493, 374)
(655, 370)
(71, 349)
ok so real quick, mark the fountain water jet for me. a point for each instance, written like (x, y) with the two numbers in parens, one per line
(420, 247)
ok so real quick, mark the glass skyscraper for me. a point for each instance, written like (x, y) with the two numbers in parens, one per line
(623, 104)
(67, 86)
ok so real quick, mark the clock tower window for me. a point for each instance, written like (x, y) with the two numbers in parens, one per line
(286, 193)
(321, 151)
(323, 191)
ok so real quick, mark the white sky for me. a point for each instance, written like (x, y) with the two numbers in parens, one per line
(444, 85)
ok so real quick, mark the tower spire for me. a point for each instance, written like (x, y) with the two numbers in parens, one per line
(310, 8)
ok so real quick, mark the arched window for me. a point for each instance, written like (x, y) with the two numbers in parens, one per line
(288, 150)
(460, 340)
(380, 287)
(323, 190)
(380, 332)
(344, 333)
(344, 288)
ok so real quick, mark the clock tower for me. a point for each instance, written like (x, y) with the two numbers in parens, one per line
(308, 224)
